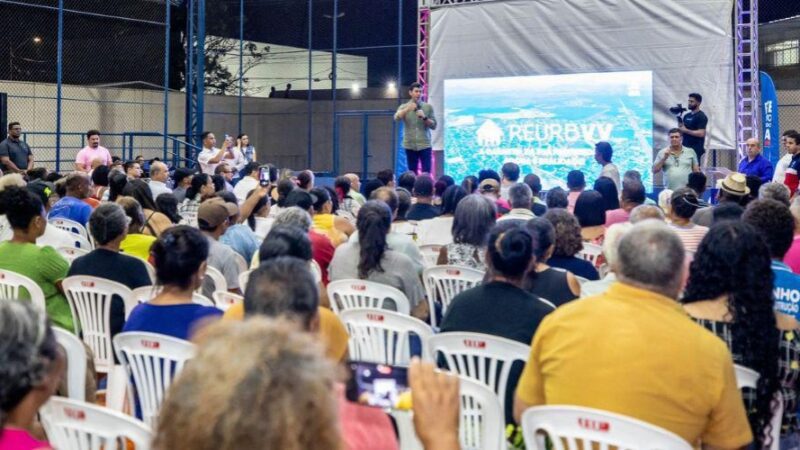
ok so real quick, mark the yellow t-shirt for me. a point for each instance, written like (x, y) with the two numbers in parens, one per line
(634, 352)
(137, 245)
(325, 224)
(331, 330)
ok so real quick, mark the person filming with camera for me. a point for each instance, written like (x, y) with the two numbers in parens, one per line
(677, 162)
(692, 126)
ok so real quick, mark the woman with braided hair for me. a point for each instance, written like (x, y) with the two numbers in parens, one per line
(31, 367)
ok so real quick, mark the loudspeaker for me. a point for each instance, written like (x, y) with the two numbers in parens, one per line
(3, 113)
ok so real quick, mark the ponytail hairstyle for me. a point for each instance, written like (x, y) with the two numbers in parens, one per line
(510, 249)
(198, 181)
(374, 223)
(342, 186)
(262, 203)
(178, 254)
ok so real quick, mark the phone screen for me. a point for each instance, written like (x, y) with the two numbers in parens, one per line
(263, 176)
(376, 385)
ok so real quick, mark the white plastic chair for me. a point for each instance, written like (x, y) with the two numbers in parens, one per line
(240, 262)
(10, 282)
(69, 225)
(481, 357)
(481, 426)
(90, 302)
(381, 336)
(151, 271)
(76, 425)
(81, 242)
(442, 283)
(430, 254)
(244, 277)
(316, 271)
(76, 363)
(224, 299)
(746, 377)
(217, 278)
(574, 427)
(72, 253)
(151, 362)
(591, 252)
(352, 293)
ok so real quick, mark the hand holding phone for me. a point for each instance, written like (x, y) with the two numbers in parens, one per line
(376, 385)
(263, 176)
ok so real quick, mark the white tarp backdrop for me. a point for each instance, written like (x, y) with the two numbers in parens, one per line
(688, 44)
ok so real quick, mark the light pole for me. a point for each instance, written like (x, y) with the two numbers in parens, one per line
(36, 41)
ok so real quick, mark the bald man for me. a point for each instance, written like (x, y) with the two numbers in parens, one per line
(754, 163)
(159, 174)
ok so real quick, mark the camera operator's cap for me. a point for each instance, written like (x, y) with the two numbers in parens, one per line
(735, 184)
(489, 185)
(213, 212)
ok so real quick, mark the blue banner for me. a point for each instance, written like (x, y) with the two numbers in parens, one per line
(770, 125)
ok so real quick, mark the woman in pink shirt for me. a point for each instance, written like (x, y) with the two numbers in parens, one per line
(31, 367)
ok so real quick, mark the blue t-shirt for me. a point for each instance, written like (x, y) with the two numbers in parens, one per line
(170, 320)
(579, 267)
(786, 290)
(73, 209)
(242, 240)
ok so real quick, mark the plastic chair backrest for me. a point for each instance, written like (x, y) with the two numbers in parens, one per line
(151, 362)
(442, 283)
(240, 262)
(316, 271)
(81, 242)
(481, 426)
(10, 282)
(381, 336)
(481, 357)
(430, 254)
(76, 425)
(746, 377)
(244, 277)
(201, 299)
(352, 293)
(224, 299)
(90, 302)
(69, 225)
(72, 253)
(76, 363)
(151, 271)
(574, 427)
(591, 252)
(217, 278)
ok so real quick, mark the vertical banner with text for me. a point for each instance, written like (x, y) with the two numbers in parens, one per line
(770, 125)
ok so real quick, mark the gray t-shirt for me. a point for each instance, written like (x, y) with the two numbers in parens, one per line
(222, 258)
(399, 272)
(677, 170)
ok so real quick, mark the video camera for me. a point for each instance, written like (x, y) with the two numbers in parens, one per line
(678, 111)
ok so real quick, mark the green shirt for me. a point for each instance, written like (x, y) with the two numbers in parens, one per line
(677, 170)
(416, 135)
(45, 266)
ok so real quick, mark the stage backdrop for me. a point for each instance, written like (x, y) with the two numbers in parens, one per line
(683, 45)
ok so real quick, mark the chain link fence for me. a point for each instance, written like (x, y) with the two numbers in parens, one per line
(111, 69)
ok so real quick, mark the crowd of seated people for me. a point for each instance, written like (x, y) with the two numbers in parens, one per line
(684, 288)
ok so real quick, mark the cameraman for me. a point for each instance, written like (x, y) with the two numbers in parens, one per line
(693, 126)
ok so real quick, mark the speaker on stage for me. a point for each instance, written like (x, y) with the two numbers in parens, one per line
(3, 113)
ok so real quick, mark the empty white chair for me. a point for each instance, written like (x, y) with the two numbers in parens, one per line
(352, 293)
(76, 363)
(746, 377)
(574, 427)
(381, 336)
(72, 253)
(69, 225)
(442, 283)
(10, 282)
(481, 357)
(591, 252)
(76, 425)
(151, 362)
(430, 254)
(481, 426)
(243, 278)
(90, 302)
(224, 299)
(81, 242)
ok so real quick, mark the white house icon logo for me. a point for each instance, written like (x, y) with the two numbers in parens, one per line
(489, 134)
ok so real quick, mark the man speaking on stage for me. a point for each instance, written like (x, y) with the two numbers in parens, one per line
(417, 116)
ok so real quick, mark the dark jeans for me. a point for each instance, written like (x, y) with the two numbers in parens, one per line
(415, 156)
